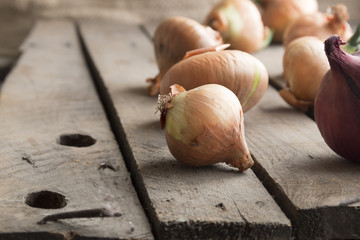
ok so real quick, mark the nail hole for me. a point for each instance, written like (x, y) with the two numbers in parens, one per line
(46, 200)
(221, 206)
(108, 166)
(76, 140)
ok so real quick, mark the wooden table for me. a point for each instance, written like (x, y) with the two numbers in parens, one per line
(80, 140)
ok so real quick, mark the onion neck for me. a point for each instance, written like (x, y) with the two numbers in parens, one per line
(336, 58)
(342, 63)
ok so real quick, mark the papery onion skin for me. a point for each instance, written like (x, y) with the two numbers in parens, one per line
(239, 23)
(205, 126)
(320, 25)
(173, 38)
(277, 14)
(305, 64)
(337, 104)
(241, 72)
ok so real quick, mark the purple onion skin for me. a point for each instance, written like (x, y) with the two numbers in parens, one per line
(337, 104)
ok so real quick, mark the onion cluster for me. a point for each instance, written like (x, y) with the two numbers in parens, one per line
(204, 124)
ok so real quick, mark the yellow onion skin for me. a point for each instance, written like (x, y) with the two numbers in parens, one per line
(173, 38)
(239, 23)
(305, 64)
(205, 126)
(277, 14)
(239, 71)
(337, 104)
(320, 25)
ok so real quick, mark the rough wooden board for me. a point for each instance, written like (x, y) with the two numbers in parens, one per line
(317, 189)
(182, 201)
(50, 93)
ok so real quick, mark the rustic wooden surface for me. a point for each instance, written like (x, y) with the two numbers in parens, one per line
(47, 95)
(50, 93)
(214, 202)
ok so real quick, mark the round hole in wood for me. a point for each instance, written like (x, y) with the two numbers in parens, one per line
(46, 199)
(76, 140)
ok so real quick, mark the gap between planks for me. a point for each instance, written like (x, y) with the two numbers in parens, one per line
(118, 131)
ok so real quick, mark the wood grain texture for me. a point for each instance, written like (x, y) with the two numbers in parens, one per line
(47, 94)
(317, 189)
(214, 202)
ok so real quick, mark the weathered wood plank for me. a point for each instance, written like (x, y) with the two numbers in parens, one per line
(214, 202)
(50, 93)
(317, 189)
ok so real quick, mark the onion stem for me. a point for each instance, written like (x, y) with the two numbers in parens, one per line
(353, 43)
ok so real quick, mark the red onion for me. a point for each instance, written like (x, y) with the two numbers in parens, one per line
(337, 104)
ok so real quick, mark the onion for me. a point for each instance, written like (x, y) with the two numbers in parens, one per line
(241, 72)
(304, 63)
(277, 14)
(337, 104)
(204, 126)
(239, 23)
(320, 25)
(173, 38)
